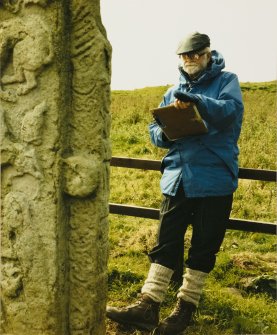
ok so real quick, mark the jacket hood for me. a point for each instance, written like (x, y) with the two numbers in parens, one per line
(216, 65)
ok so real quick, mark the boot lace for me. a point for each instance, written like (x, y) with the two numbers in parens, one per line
(180, 311)
(142, 299)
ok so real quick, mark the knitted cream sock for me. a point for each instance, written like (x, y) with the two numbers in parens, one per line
(155, 286)
(192, 286)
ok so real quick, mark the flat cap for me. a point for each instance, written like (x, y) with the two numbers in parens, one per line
(193, 42)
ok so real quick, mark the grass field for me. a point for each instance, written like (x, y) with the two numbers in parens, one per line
(240, 294)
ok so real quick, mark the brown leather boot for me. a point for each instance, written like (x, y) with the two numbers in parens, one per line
(143, 314)
(178, 320)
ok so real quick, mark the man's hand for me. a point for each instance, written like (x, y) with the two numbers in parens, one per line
(180, 104)
(185, 96)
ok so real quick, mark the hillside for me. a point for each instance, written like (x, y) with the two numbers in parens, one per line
(239, 297)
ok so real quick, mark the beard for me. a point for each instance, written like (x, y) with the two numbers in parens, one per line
(194, 69)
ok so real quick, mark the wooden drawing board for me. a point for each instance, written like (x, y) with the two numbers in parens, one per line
(178, 123)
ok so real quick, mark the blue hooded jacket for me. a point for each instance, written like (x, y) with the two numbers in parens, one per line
(206, 164)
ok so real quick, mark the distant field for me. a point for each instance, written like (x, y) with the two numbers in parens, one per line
(230, 305)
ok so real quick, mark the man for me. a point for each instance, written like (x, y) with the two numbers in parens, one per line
(200, 174)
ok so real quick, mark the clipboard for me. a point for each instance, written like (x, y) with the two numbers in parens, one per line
(178, 123)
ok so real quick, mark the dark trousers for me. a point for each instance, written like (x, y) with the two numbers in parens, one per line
(208, 217)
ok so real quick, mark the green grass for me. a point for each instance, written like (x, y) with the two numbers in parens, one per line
(239, 296)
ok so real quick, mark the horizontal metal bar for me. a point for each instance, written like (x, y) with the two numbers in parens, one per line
(252, 226)
(146, 164)
(256, 174)
(142, 212)
(136, 163)
(153, 213)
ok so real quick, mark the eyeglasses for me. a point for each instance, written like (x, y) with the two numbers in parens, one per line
(193, 55)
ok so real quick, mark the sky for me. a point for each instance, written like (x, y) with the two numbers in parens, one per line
(145, 33)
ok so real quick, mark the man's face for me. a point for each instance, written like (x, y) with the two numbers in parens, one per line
(194, 63)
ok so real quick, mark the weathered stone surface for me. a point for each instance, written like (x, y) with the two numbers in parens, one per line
(82, 175)
(88, 218)
(15, 5)
(55, 152)
(30, 41)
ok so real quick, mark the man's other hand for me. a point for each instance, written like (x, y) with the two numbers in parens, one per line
(180, 104)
